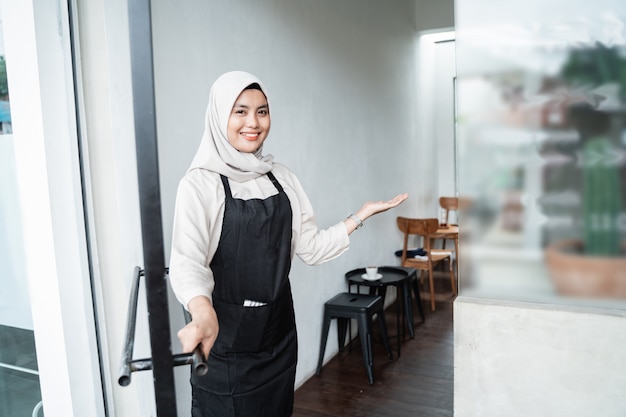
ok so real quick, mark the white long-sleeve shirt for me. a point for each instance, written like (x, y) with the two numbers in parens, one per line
(198, 225)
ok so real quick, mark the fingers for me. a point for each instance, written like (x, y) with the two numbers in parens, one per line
(394, 202)
(193, 335)
(188, 339)
(189, 344)
(206, 348)
(398, 199)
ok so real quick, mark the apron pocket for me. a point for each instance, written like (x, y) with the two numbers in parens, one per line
(251, 329)
(241, 328)
(254, 329)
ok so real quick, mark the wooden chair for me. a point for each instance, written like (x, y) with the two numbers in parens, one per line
(449, 204)
(424, 228)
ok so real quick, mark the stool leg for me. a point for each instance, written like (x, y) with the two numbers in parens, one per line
(325, 326)
(342, 325)
(399, 327)
(365, 331)
(408, 307)
(383, 330)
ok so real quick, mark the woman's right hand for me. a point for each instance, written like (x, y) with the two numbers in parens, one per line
(203, 327)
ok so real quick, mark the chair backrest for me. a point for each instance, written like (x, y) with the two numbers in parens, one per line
(449, 203)
(418, 227)
(421, 227)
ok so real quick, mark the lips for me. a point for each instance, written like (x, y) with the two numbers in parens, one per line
(250, 136)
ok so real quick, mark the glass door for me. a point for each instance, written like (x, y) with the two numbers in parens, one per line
(49, 357)
(20, 394)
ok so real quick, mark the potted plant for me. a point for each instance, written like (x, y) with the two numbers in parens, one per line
(595, 265)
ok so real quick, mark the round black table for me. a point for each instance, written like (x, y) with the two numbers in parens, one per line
(400, 278)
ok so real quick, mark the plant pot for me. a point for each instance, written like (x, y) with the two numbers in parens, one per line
(575, 274)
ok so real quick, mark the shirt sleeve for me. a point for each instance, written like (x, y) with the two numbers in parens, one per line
(190, 274)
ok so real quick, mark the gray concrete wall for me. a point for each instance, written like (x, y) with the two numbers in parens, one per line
(522, 359)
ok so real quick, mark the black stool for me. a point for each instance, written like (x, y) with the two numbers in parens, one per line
(362, 307)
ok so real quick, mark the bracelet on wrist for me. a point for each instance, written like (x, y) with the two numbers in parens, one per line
(357, 220)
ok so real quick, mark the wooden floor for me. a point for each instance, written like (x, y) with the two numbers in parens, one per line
(418, 383)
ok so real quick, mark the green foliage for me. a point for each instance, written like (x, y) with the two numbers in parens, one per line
(595, 66)
(588, 68)
(601, 198)
(4, 86)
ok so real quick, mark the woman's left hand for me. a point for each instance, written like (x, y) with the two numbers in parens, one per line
(373, 207)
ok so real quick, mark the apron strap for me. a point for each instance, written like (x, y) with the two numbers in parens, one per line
(269, 175)
(275, 182)
(229, 195)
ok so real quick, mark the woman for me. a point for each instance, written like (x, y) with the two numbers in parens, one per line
(240, 218)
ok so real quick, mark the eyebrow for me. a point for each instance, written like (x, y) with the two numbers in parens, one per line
(263, 106)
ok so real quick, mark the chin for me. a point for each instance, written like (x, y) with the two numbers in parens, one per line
(252, 147)
(248, 148)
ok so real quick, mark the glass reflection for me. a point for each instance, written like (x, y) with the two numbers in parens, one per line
(542, 138)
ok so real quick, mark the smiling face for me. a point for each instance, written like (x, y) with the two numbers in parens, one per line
(249, 121)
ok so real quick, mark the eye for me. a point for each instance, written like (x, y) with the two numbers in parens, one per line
(239, 111)
(263, 112)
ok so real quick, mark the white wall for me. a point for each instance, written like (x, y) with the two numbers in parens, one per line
(341, 80)
(525, 359)
(434, 14)
(435, 65)
(443, 101)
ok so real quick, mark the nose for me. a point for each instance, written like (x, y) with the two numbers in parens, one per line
(252, 120)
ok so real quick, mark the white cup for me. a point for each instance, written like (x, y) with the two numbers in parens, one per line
(371, 271)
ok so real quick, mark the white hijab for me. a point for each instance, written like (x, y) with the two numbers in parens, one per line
(215, 152)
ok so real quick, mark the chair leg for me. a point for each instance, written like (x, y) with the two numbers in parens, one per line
(365, 331)
(432, 287)
(325, 327)
(456, 255)
(452, 280)
(418, 298)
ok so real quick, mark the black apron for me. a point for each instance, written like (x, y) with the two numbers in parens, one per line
(252, 365)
